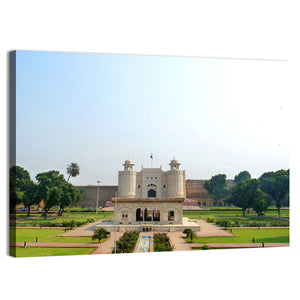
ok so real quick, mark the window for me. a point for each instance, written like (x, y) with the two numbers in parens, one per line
(139, 186)
(164, 186)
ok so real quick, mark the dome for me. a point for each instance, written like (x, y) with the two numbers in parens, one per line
(128, 162)
(174, 161)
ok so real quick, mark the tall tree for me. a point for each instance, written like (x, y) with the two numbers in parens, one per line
(19, 178)
(276, 185)
(70, 195)
(217, 187)
(30, 196)
(73, 170)
(50, 188)
(242, 176)
(246, 194)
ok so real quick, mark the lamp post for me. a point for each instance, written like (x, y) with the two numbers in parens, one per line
(115, 220)
(98, 181)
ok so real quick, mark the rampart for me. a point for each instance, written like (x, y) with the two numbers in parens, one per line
(195, 190)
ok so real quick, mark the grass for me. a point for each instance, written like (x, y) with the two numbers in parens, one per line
(38, 219)
(45, 236)
(197, 214)
(31, 252)
(247, 235)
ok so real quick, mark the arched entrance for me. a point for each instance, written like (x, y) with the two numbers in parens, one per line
(151, 193)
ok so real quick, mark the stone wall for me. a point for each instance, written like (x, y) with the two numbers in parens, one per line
(106, 192)
(195, 190)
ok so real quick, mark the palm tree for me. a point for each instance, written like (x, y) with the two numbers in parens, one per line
(72, 170)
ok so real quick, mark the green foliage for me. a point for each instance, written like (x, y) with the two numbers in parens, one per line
(100, 234)
(276, 185)
(127, 242)
(224, 223)
(246, 194)
(161, 242)
(187, 231)
(210, 220)
(190, 234)
(73, 170)
(242, 176)
(54, 190)
(216, 186)
(30, 196)
(19, 178)
(205, 247)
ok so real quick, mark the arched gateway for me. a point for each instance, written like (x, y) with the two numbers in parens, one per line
(151, 193)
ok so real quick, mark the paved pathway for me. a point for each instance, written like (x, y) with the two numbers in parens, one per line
(86, 230)
(209, 229)
(109, 244)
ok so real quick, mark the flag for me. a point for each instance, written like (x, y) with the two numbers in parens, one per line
(151, 156)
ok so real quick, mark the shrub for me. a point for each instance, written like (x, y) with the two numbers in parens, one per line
(210, 220)
(205, 247)
(127, 242)
(161, 242)
(224, 223)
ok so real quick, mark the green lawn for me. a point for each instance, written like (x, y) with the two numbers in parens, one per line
(31, 252)
(196, 214)
(38, 219)
(45, 236)
(246, 236)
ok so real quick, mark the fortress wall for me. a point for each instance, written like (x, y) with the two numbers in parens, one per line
(194, 190)
(106, 192)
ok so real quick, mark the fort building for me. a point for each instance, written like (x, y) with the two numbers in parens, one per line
(150, 199)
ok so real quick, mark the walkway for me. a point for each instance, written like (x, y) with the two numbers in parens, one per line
(86, 230)
(109, 244)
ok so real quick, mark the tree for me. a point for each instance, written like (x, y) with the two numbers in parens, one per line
(187, 231)
(72, 170)
(276, 185)
(217, 187)
(30, 196)
(242, 176)
(245, 193)
(100, 234)
(70, 195)
(19, 178)
(191, 235)
(50, 188)
(261, 203)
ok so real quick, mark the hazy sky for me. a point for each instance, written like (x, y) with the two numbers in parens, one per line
(214, 115)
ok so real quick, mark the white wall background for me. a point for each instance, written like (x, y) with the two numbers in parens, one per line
(233, 29)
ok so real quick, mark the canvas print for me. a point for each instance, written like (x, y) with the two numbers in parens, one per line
(114, 153)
